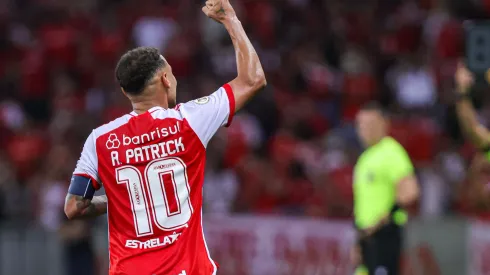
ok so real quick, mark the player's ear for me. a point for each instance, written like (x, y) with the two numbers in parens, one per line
(165, 81)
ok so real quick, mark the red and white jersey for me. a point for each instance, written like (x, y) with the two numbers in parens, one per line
(152, 168)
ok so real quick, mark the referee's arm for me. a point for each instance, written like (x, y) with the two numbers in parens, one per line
(477, 133)
(407, 191)
(402, 174)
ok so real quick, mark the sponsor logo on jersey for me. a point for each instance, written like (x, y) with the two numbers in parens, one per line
(113, 142)
(202, 100)
(183, 273)
(152, 243)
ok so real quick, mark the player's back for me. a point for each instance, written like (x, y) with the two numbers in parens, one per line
(152, 169)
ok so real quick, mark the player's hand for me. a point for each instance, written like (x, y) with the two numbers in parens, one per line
(219, 10)
(464, 79)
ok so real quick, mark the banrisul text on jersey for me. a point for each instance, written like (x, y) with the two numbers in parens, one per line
(145, 151)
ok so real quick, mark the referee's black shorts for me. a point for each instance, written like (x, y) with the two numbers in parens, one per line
(381, 252)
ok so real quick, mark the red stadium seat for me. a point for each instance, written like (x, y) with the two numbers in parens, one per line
(418, 136)
(358, 90)
(449, 42)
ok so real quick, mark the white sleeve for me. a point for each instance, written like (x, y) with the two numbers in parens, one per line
(207, 114)
(87, 164)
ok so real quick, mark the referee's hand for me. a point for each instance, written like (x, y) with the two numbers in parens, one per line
(373, 229)
(356, 255)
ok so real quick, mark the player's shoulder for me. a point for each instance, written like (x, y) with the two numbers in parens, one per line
(162, 113)
(197, 103)
(111, 126)
(192, 108)
(155, 113)
(221, 96)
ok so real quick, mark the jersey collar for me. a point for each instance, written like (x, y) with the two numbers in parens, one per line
(151, 110)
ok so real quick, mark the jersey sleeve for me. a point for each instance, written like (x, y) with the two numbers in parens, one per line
(207, 114)
(398, 164)
(87, 164)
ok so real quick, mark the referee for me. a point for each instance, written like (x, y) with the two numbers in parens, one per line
(384, 184)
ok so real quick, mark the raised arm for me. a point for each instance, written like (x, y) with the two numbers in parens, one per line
(251, 77)
(478, 135)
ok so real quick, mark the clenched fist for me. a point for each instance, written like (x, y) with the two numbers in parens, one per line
(219, 10)
(463, 78)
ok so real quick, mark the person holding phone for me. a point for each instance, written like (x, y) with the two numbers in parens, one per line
(478, 134)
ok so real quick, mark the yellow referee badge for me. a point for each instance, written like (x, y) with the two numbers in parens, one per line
(487, 76)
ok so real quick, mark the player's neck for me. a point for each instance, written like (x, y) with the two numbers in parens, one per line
(145, 102)
(141, 107)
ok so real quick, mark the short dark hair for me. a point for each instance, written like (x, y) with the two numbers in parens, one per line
(374, 106)
(137, 67)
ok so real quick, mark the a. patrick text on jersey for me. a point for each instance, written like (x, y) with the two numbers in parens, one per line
(146, 152)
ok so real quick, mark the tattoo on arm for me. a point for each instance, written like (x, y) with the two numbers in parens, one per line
(89, 208)
(221, 10)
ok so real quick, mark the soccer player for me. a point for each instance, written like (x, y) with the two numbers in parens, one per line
(384, 184)
(151, 161)
(477, 133)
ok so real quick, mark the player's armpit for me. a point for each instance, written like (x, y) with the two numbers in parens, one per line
(407, 191)
(243, 92)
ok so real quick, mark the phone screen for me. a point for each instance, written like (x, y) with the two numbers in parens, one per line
(478, 46)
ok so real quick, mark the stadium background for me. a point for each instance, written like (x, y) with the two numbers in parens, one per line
(278, 196)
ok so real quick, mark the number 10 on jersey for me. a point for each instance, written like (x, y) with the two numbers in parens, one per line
(166, 187)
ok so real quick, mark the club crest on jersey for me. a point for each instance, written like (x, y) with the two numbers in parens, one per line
(112, 142)
(202, 100)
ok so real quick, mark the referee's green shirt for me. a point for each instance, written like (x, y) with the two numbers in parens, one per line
(376, 174)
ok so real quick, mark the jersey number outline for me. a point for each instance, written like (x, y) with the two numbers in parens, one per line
(168, 192)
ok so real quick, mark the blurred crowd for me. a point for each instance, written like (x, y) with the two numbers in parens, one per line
(291, 152)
